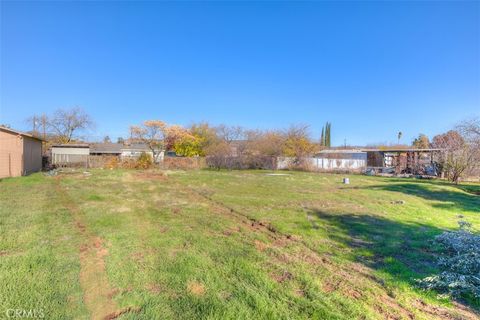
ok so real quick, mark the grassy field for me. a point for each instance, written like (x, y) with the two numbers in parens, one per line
(225, 245)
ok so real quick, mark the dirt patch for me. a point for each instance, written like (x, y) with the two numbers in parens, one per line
(329, 286)
(137, 256)
(283, 276)
(395, 310)
(93, 279)
(260, 246)
(80, 226)
(154, 288)
(196, 288)
(299, 292)
(352, 293)
(386, 314)
(228, 232)
(116, 314)
(122, 209)
(113, 293)
(460, 313)
(151, 175)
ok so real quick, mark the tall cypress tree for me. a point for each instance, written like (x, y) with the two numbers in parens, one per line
(327, 134)
(322, 137)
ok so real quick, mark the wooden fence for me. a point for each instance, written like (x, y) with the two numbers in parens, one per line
(103, 161)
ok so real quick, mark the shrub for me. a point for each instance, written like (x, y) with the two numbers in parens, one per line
(459, 264)
(112, 163)
(241, 162)
(144, 161)
(187, 163)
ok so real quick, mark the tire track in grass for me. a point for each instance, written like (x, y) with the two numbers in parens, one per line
(97, 292)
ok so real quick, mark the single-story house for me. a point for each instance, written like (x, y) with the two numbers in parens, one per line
(134, 150)
(75, 153)
(20, 153)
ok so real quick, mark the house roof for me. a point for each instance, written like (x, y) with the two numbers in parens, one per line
(71, 145)
(137, 147)
(23, 134)
(329, 151)
(113, 148)
(401, 150)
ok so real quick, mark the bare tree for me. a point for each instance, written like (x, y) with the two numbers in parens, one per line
(66, 124)
(470, 130)
(229, 133)
(152, 133)
(268, 143)
(458, 156)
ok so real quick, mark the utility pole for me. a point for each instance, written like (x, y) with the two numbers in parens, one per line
(43, 121)
(34, 124)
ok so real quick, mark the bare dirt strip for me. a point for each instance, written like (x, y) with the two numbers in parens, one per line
(97, 291)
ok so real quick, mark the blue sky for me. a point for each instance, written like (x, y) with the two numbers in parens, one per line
(370, 68)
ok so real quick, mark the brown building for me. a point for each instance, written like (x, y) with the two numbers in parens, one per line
(20, 153)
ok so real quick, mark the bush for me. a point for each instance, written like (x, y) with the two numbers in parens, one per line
(183, 163)
(241, 162)
(459, 264)
(145, 161)
(112, 163)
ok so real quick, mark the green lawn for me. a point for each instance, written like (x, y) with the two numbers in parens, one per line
(226, 245)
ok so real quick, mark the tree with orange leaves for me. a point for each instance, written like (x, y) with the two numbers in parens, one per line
(152, 133)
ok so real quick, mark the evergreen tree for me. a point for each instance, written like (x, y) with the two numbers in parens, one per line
(322, 137)
(328, 134)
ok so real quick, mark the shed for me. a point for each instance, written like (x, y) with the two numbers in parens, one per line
(66, 154)
(20, 153)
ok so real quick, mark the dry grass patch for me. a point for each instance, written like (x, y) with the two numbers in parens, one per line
(196, 288)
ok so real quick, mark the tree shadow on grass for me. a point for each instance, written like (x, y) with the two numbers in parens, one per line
(404, 251)
(472, 188)
(447, 199)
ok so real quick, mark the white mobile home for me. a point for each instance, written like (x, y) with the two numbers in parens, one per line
(340, 160)
(330, 160)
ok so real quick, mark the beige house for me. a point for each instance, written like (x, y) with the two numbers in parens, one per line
(20, 153)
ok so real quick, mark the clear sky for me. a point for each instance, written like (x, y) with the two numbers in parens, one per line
(370, 68)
